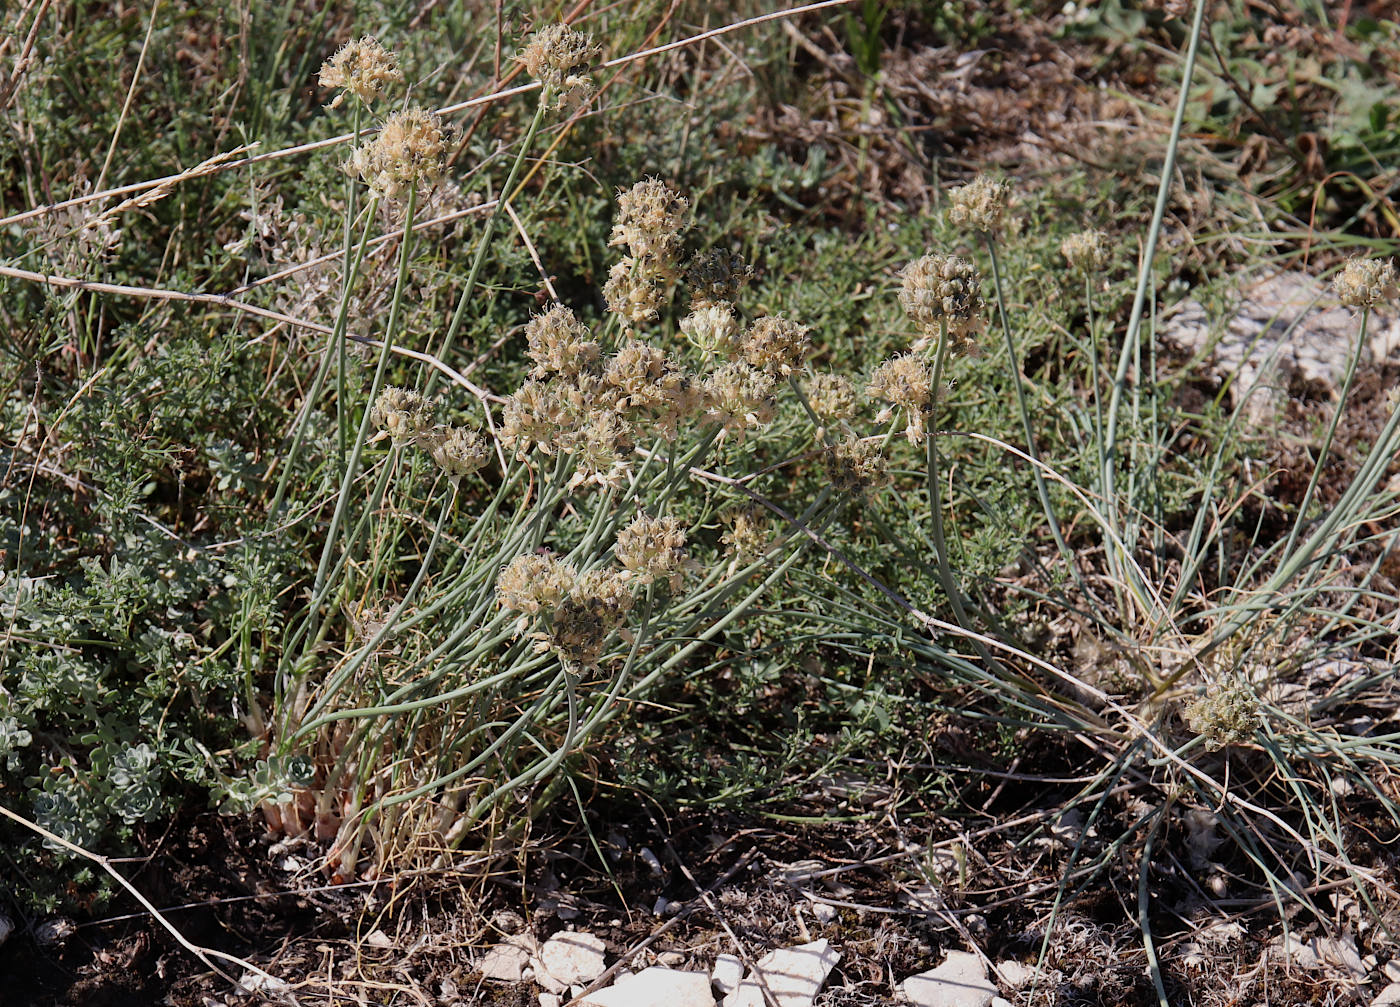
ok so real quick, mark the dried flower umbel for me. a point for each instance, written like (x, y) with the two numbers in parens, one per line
(559, 58)
(1228, 714)
(905, 382)
(652, 550)
(832, 397)
(980, 205)
(856, 466)
(458, 451)
(535, 582)
(777, 345)
(560, 344)
(361, 67)
(740, 398)
(650, 218)
(596, 607)
(749, 535)
(403, 414)
(1086, 251)
(410, 152)
(1362, 283)
(536, 417)
(713, 329)
(716, 277)
(632, 294)
(941, 289)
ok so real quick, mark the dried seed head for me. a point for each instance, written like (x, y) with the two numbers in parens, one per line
(943, 288)
(535, 582)
(712, 329)
(980, 205)
(408, 153)
(716, 277)
(1086, 251)
(632, 296)
(650, 219)
(652, 549)
(1228, 714)
(363, 68)
(648, 384)
(905, 382)
(559, 344)
(596, 607)
(832, 397)
(535, 418)
(402, 414)
(749, 536)
(458, 451)
(739, 398)
(603, 452)
(777, 345)
(855, 467)
(1363, 282)
(559, 57)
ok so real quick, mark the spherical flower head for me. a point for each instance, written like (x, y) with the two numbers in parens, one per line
(713, 329)
(905, 382)
(458, 451)
(361, 67)
(409, 153)
(716, 277)
(652, 549)
(559, 58)
(777, 345)
(833, 397)
(581, 624)
(603, 452)
(535, 417)
(650, 386)
(740, 398)
(980, 205)
(1228, 714)
(535, 582)
(401, 413)
(1364, 282)
(631, 296)
(650, 218)
(559, 344)
(943, 288)
(1086, 251)
(748, 537)
(856, 467)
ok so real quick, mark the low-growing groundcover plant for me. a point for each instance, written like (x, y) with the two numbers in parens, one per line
(424, 608)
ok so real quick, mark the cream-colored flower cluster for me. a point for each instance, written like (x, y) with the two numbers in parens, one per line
(651, 218)
(560, 57)
(1228, 714)
(856, 466)
(1086, 251)
(361, 67)
(943, 290)
(906, 383)
(409, 152)
(577, 614)
(652, 550)
(408, 417)
(1363, 283)
(980, 205)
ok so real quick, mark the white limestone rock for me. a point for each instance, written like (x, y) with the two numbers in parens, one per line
(655, 987)
(793, 975)
(570, 957)
(727, 974)
(961, 981)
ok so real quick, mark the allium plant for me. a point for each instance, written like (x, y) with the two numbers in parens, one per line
(563, 564)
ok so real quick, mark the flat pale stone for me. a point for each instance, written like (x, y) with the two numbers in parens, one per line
(727, 974)
(572, 957)
(506, 961)
(961, 981)
(655, 987)
(1015, 974)
(1388, 997)
(793, 975)
(549, 1000)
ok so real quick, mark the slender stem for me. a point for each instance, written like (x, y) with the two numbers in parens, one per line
(487, 230)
